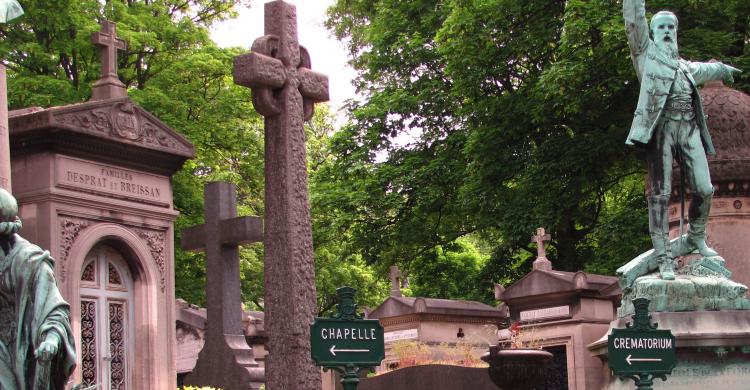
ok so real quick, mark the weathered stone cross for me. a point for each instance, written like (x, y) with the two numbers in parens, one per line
(541, 261)
(395, 275)
(226, 361)
(284, 90)
(109, 85)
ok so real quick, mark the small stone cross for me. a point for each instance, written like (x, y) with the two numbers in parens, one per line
(395, 275)
(541, 261)
(226, 361)
(109, 85)
(284, 91)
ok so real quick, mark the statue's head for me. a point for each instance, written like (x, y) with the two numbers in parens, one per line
(664, 31)
(9, 221)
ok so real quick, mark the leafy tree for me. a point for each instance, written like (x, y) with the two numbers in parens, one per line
(174, 70)
(493, 117)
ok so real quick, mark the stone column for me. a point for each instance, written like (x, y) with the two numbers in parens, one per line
(4, 141)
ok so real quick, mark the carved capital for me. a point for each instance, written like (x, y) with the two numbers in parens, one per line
(156, 241)
(70, 229)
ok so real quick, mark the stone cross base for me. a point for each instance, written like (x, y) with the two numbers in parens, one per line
(227, 363)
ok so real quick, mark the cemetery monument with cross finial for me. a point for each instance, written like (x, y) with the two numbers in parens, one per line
(284, 90)
(109, 85)
(395, 276)
(541, 262)
(226, 361)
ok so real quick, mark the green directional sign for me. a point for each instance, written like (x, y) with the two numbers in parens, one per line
(345, 342)
(338, 342)
(634, 351)
(641, 351)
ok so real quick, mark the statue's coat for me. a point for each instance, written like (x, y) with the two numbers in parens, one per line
(656, 73)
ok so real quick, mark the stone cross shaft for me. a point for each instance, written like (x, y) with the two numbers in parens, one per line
(109, 85)
(284, 90)
(541, 261)
(395, 275)
(226, 360)
(540, 238)
(5, 181)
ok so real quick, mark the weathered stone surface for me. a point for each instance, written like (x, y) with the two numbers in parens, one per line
(226, 361)
(4, 144)
(713, 348)
(284, 91)
(109, 85)
(431, 377)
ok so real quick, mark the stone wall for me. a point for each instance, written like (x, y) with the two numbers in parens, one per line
(431, 377)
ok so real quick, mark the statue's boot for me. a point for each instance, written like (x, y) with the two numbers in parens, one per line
(658, 226)
(700, 207)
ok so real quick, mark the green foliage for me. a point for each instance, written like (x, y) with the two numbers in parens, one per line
(515, 114)
(448, 271)
(173, 70)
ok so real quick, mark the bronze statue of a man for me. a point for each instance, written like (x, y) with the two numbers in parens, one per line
(37, 350)
(669, 120)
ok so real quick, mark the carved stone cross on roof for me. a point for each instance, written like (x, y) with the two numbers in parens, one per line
(284, 90)
(395, 275)
(226, 361)
(541, 261)
(109, 85)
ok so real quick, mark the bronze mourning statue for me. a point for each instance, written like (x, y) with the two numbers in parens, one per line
(670, 123)
(37, 351)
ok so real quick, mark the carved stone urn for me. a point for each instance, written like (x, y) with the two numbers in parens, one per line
(517, 369)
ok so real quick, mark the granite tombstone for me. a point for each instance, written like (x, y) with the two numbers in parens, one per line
(284, 90)
(226, 361)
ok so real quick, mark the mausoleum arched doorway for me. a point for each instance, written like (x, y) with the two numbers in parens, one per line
(107, 319)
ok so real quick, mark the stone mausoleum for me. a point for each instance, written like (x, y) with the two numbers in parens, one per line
(435, 322)
(93, 181)
(562, 312)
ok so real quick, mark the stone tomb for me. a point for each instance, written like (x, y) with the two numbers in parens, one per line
(563, 312)
(435, 321)
(94, 185)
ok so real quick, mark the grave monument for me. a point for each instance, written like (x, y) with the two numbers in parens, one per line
(284, 90)
(226, 361)
(93, 183)
(706, 311)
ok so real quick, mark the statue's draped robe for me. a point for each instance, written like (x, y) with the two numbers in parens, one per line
(30, 306)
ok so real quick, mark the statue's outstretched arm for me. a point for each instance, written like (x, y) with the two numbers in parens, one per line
(636, 25)
(709, 71)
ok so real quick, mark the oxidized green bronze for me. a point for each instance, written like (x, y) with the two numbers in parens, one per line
(669, 118)
(9, 9)
(36, 341)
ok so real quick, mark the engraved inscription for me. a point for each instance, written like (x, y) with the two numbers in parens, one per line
(91, 177)
(731, 374)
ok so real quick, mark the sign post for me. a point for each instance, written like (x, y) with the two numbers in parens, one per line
(641, 352)
(345, 342)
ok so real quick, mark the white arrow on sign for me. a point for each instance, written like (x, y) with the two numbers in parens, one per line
(334, 350)
(630, 359)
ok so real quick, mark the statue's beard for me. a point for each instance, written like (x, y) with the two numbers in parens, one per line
(668, 47)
